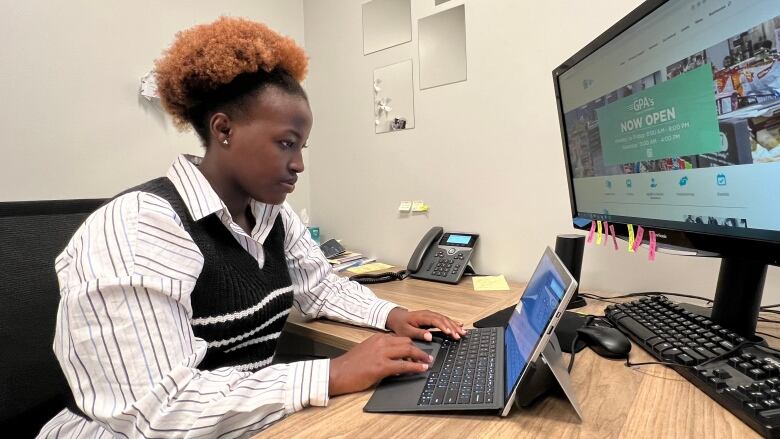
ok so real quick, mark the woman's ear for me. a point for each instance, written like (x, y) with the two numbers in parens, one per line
(220, 128)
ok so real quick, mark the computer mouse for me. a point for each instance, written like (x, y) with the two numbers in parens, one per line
(605, 341)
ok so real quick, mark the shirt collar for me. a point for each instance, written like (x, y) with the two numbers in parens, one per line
(201, 199)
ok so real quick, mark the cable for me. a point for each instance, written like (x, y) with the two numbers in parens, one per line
(650, 293)
(379, 278)
(719, 357)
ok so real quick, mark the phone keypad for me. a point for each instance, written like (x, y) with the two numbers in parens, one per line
(446, 266)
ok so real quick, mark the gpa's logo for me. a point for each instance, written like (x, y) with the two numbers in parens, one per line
(586, 83)
(640, 104)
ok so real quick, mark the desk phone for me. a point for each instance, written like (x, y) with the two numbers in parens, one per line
(442, 256)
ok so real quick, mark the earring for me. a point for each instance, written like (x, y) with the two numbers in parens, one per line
(225, 141)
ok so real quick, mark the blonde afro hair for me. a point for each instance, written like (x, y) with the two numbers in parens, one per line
(206, 57)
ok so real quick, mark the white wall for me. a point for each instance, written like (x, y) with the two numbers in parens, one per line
(72, 122)
(485, 154)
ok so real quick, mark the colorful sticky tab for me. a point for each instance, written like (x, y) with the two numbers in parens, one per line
(651, 255)
(581, 222)
(614, 237)
(639, 233)
(598, 232)
(631, 238)
(606, 232)
(592, 231)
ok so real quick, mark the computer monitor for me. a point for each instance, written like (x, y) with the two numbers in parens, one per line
(671, 120)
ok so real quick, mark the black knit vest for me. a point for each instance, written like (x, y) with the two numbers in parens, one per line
(237, 307)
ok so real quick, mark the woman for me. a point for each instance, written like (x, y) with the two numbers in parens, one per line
(175, 292)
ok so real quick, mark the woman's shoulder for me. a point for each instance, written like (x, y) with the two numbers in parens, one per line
(125, 213)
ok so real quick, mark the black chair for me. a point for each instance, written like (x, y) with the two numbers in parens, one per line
(32, 234)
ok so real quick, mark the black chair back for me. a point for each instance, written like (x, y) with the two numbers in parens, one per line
(32, 234)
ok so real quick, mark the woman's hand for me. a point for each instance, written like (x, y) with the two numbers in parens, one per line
(411, 323)
(380, 356)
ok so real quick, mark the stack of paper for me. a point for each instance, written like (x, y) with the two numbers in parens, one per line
(349, 259)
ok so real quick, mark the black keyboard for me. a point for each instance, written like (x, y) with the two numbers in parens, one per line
(740, 376)
(464, 371)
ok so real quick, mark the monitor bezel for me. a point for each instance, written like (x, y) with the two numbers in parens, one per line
(760, 245)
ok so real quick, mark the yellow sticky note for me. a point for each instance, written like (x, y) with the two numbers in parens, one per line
(598, 232)
(490, 283)
(631, 238)
(368, 267)
(419, 206)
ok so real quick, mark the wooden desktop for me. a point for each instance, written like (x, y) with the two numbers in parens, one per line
(645, 401)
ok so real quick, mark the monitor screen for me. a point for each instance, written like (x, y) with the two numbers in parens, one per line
(675, 121)
(536, 308)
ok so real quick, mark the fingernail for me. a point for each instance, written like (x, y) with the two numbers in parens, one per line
(430, 358)
(428, 336)
(425, 367)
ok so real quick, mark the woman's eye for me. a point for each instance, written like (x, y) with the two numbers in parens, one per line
(287, 144)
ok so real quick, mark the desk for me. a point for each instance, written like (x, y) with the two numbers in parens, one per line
(648, 401)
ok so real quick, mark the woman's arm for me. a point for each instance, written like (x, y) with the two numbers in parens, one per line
(319, 291)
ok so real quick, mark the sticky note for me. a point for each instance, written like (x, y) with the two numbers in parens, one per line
(419, 206)
(598, 232)
(651, 254)
(405, 206)
(581, 222)
(490, 283)
(639, 232)
(592, 231)
(368, 267)
(631, 238)
(614, 238)
(606, 232)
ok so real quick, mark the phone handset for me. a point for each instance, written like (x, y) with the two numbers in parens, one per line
(425, 244)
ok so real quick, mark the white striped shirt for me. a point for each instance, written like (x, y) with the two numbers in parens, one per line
(124, 328)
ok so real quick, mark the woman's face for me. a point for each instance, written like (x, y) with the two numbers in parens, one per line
(265, 146)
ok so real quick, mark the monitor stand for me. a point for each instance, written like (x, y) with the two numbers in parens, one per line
(737, 299)
(738, 295)
(547, 374)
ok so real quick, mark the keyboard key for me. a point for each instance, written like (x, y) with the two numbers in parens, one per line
(686, 360)
(754, 407)
(720, 373)
(697, 358)
(771, 370)
(705, 353)
(438, 396)
(636, 328)
(770, 403)
(736, 394)
(670, 354)
(756, 373)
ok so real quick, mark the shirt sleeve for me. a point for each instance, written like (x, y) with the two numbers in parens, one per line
(319, 291)
(124, 340)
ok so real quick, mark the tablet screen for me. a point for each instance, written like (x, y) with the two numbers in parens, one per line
(533, 313)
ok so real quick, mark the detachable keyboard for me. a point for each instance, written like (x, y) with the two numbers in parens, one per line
(464, 371)
(742, 377)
